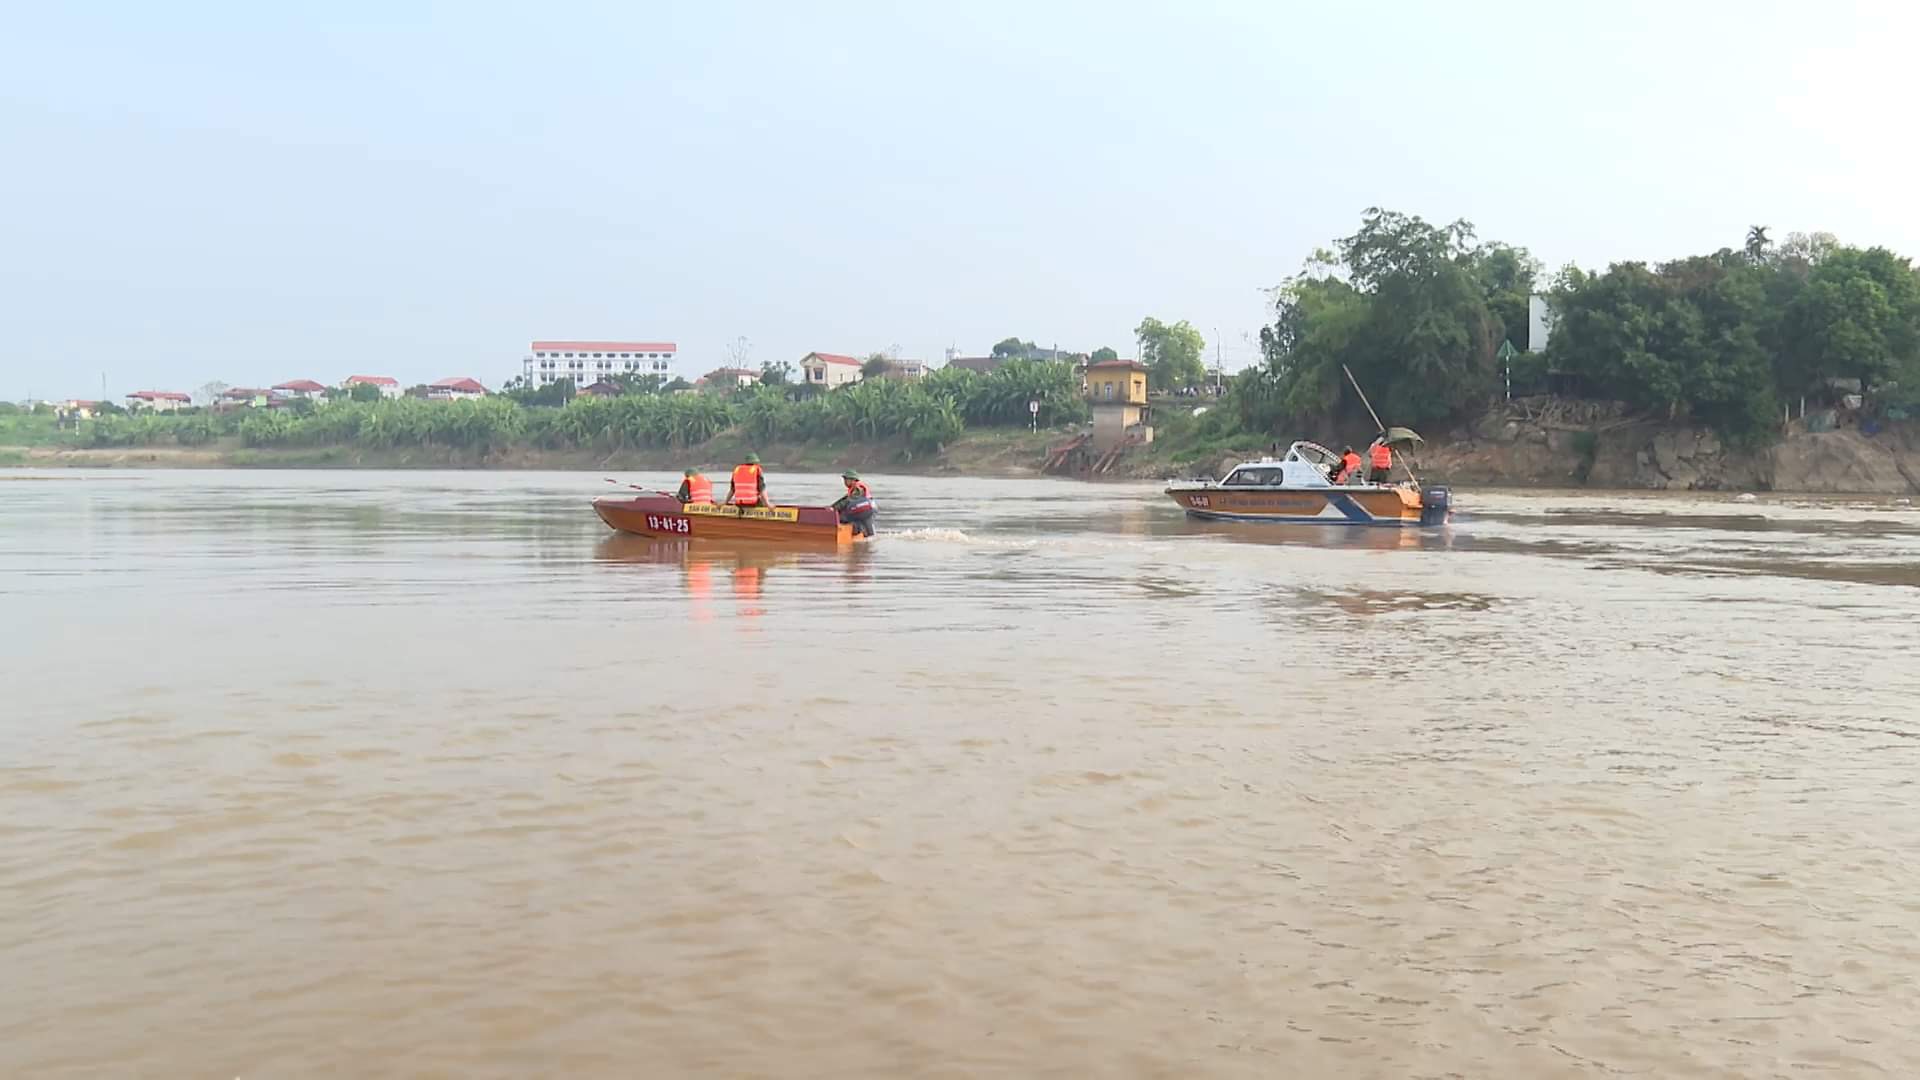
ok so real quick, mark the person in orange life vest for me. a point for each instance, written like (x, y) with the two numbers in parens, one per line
(695, 488)
(1349, 466)
(749, 486)
(856, 506)
(1380, 461)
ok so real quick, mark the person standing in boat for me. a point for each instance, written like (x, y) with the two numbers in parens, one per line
(695, 488)
(1349, 466)
(1379, 460)
(856, 506)
(749, 485)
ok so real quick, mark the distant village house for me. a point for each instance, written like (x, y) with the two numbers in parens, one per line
(980, 365)
(456, 389)
(241, 397)
(388, 387)
(158, 400)
(301, 390)
(829, 370)
(728, 378)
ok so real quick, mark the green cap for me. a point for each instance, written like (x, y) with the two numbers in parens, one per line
(753, 459)
(691, 472)
(849, 475)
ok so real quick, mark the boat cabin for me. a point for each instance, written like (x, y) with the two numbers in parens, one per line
(1305, 465)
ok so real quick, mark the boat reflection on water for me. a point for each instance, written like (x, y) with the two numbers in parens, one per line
(747, 565)
(1376, 539)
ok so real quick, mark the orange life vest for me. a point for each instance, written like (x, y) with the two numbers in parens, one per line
(699, 489)
(746, 485)
(1382, 457)
(1349, 464)
(859, 497)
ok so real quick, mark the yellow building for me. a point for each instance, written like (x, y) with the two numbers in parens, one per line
(1117, 390)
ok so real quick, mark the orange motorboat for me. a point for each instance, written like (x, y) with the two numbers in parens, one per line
(666, 517)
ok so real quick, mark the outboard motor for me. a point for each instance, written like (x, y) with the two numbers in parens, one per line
(1436, 505)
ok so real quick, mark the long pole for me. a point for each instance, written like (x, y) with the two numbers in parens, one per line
(1382, 428)
(1376, 420)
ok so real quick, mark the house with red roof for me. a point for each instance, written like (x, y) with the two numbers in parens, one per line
(829, 370)
(158, 400)
(388, 387)
(243, 397)
(455, 389)
(301, 388)
(727, 378)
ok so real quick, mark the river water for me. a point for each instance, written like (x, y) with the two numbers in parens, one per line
(427, 774)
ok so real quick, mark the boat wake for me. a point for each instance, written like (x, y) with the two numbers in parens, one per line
(943, 536)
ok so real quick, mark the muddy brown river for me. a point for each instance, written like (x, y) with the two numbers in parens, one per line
(427, 774)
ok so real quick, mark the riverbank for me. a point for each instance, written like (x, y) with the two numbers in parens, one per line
(987, 452)
(1572, 444)
(1568, 444)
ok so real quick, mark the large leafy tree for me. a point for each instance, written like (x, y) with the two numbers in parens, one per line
(1857, 318)
(1013, 348)
(1103, 354)
(1171, 353)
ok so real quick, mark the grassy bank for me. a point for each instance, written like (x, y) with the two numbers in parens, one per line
(988, 452)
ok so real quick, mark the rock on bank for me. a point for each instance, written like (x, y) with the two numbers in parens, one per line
(1598, 451)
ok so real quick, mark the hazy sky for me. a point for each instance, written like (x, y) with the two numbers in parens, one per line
(197, 191)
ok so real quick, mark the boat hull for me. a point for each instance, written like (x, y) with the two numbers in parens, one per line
(1303, 506)
(664, 517)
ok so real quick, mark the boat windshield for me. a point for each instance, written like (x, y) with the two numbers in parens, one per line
(1314, 453)
(1249, 476)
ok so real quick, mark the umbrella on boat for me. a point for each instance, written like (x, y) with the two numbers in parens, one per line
(1397, 436)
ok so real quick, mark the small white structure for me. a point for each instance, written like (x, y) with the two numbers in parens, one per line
(592, 361)
(829, 370)
(158, 400)
(388, 387)
(1539, 322)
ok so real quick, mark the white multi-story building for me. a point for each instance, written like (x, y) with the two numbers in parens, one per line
(587, 362)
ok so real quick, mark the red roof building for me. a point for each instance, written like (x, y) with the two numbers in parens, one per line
(158, 400)
(388, 387)
(301, 387)
(828, 370)
(456, 388)
(604, 346)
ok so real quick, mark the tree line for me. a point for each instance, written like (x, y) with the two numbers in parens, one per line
(928, 413)
(1423, 314)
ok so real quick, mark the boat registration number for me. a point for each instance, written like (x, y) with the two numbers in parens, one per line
(1197, 500)
(660, 523)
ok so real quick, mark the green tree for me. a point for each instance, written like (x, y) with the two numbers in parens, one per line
(1506, 275)
(1757, 243)
(877, 365)
(1857, 318)
(1171, 353)
(1013, 348)
(364, 393)
(1103, 354)
(775, 374)
(556, 393)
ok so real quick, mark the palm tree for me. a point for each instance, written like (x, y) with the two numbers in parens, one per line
(1757, 243)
